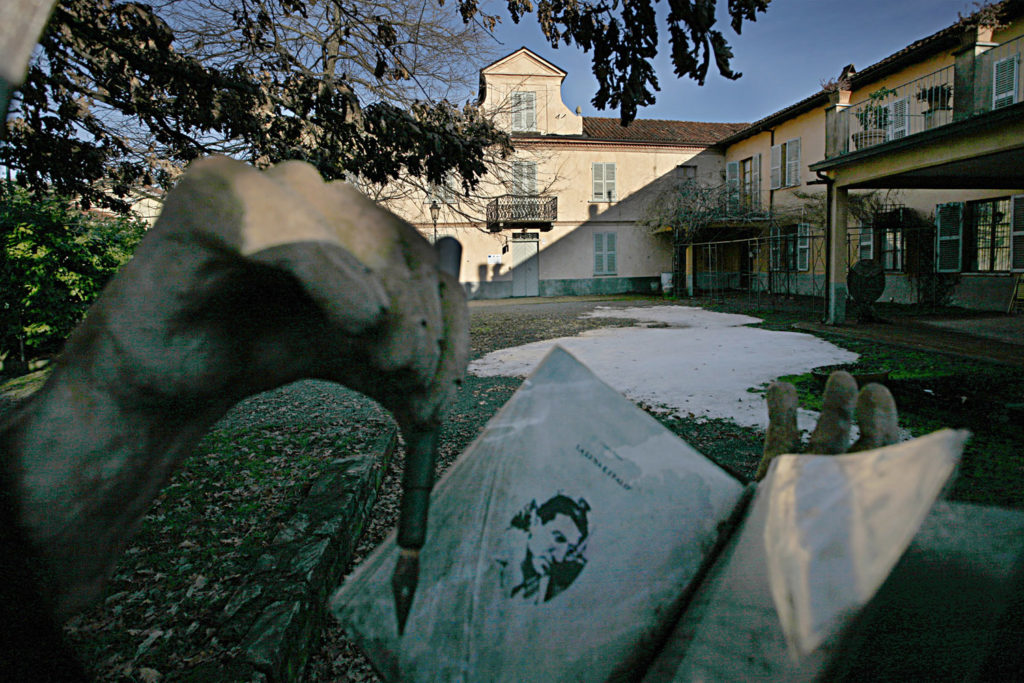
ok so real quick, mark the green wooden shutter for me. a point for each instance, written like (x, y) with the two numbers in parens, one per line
(1004, 82)
(610, 260)
(755, 183)
(732, 186)
(524, 110)
(948, 231)
(1017, 233)
(775, 172)
(792, 162)
(609, 182)
(530, 113)
(598, 253)
(597, 174)
(866, 244)
(516, 101)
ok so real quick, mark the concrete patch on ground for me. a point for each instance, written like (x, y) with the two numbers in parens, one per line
(703, 363)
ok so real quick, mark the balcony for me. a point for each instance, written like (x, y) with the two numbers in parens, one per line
(975, 85)
(521, 212)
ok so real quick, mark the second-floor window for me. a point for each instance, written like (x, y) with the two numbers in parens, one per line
(443, 194)
(1004, 81)
(604, 182)
(743, 179)
(785, 169)
(524, 110)
(524, 178)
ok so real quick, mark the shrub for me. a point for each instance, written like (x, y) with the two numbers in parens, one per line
(54, 261)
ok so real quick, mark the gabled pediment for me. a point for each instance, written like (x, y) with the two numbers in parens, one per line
(523, 62)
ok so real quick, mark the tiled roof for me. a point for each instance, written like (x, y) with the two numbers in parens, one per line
(653, 130)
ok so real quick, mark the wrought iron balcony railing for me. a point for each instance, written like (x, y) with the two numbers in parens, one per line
(932, 101)
(520, 211)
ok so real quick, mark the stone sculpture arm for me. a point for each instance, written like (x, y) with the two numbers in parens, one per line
(249, 280)
(873, 407)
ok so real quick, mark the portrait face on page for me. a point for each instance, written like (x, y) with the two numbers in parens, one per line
(550, 543)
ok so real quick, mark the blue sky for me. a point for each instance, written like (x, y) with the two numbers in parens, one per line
(784, 56)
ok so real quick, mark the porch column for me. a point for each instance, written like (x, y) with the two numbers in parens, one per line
(838, 257)
(689, 270)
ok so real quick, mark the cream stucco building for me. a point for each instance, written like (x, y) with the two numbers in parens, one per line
(914, 164)
(561, 216)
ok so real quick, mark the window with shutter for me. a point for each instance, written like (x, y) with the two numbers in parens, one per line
(610, 265)
(443, 194)
(524, 110)
(948, 232)
(803, 246)
(755, 183)
(605, 253)
(1017, 233)
(775, 246)
(524, 178)
(603, 182)
(792, 159)
(898, 118)
(866, 244)
(1004, 82)
(732, 186)
(775, 177)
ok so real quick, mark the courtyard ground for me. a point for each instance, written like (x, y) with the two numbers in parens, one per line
(232, 496)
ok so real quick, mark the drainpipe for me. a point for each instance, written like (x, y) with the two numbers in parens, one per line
(823, 179)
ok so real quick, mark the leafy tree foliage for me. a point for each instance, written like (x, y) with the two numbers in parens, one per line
(54, 260)
(127, 93)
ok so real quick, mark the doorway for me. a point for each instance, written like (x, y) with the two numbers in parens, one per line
(525, 264)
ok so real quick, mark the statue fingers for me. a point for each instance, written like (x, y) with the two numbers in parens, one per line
(832, 433)
(877, 418)
(782, 436)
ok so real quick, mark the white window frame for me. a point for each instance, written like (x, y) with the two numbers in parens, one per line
(803, 246)
(686, 172)
(524, 111)
(949, 227)
(1017, 233)
(524, 178)
(603, 179)
(793, 162)
(785, 165)
(605, 253)
(866, 244)
(732, 186)
(892, 250)
(753, 193)
(781, 250)
(1007, 95)
(775, 172)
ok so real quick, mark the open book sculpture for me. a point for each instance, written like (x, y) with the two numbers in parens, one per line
(576, 532)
